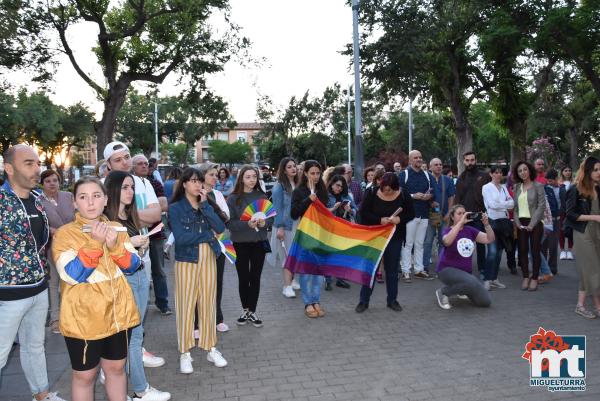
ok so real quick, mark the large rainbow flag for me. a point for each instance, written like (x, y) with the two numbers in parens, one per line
(328, 245)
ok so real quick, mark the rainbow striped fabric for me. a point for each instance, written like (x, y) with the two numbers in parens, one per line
(328, 245)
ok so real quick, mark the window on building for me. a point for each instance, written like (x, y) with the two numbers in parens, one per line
(204, 155)
(223, 136)
(242, 136)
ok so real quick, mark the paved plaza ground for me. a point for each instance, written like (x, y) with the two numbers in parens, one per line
(421, 353)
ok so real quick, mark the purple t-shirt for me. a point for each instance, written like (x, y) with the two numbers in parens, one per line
(459, 253)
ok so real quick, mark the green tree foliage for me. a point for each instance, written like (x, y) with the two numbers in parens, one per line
(178, 153)
(416, 48)
(142, 41)
(179, 119)
(22, 44)
(571, 33)
(229, 153)
(34, 119)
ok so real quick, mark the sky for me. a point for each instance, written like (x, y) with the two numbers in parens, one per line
(300, 41)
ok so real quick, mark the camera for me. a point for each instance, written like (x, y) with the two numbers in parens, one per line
(474, 216)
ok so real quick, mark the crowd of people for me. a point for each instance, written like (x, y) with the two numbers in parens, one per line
(86, 258)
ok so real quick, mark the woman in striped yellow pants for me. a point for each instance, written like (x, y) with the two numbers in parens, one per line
(194, 224)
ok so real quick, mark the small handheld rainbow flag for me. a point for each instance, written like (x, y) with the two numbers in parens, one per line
(259, 209)
(227, 247)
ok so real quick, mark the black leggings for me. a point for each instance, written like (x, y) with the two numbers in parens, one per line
(530, 241)
(249, 265)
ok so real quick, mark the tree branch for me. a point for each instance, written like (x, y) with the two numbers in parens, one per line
(62, 28)
(545, 77)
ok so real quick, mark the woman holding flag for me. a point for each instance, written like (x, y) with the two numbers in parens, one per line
(311, 188)
(249, 240)
(387, 204)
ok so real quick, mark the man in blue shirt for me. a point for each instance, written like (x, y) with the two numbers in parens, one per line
(418, 184)
(443, 199)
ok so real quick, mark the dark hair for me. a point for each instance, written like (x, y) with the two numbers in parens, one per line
(114, 183)
(335, 178)
(515, 174)
(174, 174)
(48, 173)
(470, 152)
(378, 176)
(9, 155)
(88, 179)
(551, 174)
(562, 172)
(367, 171)
(585, 185)
(339, 170)
(219, 173)
(282, 178)
(320, 188)
(495, 168)
(238, 189)
(390, 179)
(187, 175)
(152, 161)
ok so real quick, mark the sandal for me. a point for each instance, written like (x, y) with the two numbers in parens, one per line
(320, 312)
(311, 312)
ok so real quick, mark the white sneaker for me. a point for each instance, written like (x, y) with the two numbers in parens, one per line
(443, 300)
(151, 360)
(570, 255)
(563, 255)
(497, 284)
(51, 397)
(486, 285)
(221, 328)
(101, 376)
(295, 285)
(462, 296)
(288, 292)
(215, 357)
(185, 363)
(152, 394)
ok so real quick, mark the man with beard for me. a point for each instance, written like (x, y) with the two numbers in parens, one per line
(469, 194)
(23, 283)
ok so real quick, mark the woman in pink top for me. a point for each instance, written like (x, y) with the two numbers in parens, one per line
(60, 211)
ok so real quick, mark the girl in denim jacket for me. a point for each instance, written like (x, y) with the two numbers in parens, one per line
(194, 224)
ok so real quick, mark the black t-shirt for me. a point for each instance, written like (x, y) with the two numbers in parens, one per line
(36, 219)
(37, 228)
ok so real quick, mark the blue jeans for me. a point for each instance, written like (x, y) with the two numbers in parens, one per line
(27, 317)
(140, 286)
(492, 260)
(159, 278)
(310, 285)
(428, 244)
(391, 258)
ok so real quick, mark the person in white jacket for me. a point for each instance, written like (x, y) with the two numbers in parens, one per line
(497, 202)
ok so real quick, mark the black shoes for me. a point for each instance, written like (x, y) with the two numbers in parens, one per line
(166, 311)
(360, 308)
(395, 306)
(254, 319)
(328, 286)
(342, 284)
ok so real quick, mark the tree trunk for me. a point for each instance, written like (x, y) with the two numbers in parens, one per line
(573, 147)
(105, 128)
(464, 132)
(518, 140)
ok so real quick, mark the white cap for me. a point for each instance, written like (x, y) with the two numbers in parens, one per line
(113, 148)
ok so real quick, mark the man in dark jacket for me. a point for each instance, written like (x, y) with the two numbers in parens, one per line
(556, 196)
(469, 194)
